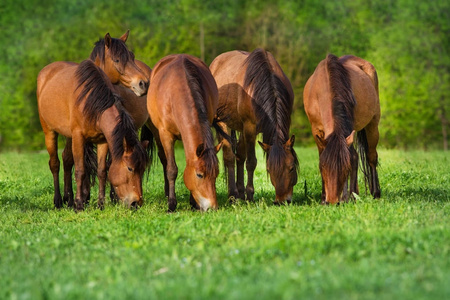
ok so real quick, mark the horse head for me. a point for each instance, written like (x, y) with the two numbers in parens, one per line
(200, 176)
(126, 172)
(282, 166)
(335, 165)
(113, 56)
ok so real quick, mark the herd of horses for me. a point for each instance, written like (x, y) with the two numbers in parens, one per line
(105, 99)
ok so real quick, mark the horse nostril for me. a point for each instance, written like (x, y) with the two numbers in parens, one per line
(143, 84)
(134, 205)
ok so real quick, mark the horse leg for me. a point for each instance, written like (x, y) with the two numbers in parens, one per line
(102, 152)
(250, 139)
(229, 160)
(80, 174)
(167, 143)
(163, 160)
(51, 142)
(68, 163)
(372, 158)
(354, 172)
(240, 160)
(353, 177)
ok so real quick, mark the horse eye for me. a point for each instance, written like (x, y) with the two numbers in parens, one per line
(292, 170)
(116, 61)
(130, 169)
(200, 176)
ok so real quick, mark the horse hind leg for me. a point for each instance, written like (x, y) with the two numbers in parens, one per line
(368, 140)
(240, 160)
(229, 161)
(171, 169)
(250, 139)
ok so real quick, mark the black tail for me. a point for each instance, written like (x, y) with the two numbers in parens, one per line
(90, 162)
(363, 149)
(147, 135)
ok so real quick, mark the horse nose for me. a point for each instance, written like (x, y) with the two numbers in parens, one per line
(134, 205)
(143, 85)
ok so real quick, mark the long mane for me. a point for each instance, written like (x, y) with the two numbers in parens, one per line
(271, 100)
(272, 104)
(198, 93)
(336, 153)
(97, 96)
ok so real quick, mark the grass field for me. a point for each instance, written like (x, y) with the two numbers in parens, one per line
(396, 247)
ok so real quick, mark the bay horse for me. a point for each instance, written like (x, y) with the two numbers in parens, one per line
(78, 101)
(340, 98)
(255, 96)
(182, 101)
(130, 80)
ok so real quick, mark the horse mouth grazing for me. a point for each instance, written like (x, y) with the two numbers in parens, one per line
(205, 204)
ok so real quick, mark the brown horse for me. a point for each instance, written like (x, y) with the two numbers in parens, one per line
(341, 97)
(135, 104)
(78, 102)
(182, 101)
(255, 96)
(107, 51)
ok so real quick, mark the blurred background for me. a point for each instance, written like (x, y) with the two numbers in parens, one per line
(406, 40)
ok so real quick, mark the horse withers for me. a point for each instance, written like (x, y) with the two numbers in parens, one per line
(255, 96)
(341, 98)
(182, 101)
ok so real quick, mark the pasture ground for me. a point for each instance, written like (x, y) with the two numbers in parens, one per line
(396, 247)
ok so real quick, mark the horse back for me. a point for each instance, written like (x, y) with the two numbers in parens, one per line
(364, 81)
(172, 94)
(56, 87)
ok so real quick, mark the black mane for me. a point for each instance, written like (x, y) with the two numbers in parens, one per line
(96, 92)
(272, 104)
(98, 96)
(271, 99)
(195, 82)
(336, 153)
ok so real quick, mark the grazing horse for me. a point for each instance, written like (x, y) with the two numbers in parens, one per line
(341, 97)
(135, 104)
(77, 101)
(130, 80)
(182, 101)
(255, 96)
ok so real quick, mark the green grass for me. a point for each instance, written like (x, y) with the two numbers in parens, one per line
(396, 247)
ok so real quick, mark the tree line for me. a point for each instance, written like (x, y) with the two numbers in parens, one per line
(407, 42)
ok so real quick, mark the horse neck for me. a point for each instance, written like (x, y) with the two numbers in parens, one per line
(107, 123)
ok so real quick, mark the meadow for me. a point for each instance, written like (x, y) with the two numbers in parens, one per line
(396, 247)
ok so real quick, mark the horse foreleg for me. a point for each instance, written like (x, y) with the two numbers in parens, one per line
(80, 174)
(102, 152)
(241, 156)
(167, 143)
(51, 142)
(250, 140)
(68, 167)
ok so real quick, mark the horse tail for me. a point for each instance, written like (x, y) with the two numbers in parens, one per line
(147, 135)
(272, 102)
(363, 149)
(90, 162)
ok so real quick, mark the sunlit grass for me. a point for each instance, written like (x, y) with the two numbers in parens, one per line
(396, 247)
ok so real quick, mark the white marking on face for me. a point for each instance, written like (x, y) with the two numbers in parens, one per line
(204, 203)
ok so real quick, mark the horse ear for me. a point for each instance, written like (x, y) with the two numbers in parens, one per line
(218, 147)
(124, 37)
(107, 40)
(265, 147)
(290, 143)
(349, 139)
(200, 150)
